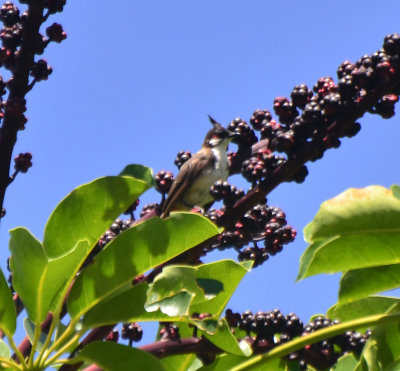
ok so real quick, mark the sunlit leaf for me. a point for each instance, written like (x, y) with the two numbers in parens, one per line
(139, 172)
(360, 283)
(363, 308)
(172, 291)
(361, 226)
(127, 306)
(135, 251)
(42, 272)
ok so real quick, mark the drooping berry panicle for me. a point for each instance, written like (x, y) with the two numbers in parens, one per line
(263, 225)
(311, 122)
(266, 330)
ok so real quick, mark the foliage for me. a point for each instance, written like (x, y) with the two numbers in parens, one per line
(102, 293)
(93, 271)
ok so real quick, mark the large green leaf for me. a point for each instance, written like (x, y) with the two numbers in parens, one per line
(139, 172)
(204, 289)
(29, 265)
(229, 273)
(360, 283)
(42, 272)
(116, 357)
(128, 305)
(173, 290)
(363, 308)
(361, 226)
(80, 218)
(8, 318)
(135, 251)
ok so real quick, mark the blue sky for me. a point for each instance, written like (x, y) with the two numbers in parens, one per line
(135, 80)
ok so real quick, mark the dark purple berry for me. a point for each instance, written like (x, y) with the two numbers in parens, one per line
(23, 162)
(56, 33)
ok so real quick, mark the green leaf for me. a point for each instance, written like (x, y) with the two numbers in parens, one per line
(172, 291)
(353, 226)
(360, 283)
(4, 350)
(8, 317)
(116, 357)
(229, 361)
(210, 276)
(139, 172)
(82, 217)
(29, 327)
(180, 362)
(42, 272)
(363, 308)
(345, 363)
(369, 357)
(133, 252)
(126, 306)
(388, 345)
(28, 264)
(225, 340)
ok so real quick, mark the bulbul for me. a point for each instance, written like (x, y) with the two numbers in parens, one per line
(196, 176)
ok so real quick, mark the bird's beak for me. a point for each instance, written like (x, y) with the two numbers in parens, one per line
(233, 135)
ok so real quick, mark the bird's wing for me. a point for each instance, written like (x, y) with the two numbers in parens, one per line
(190, 170)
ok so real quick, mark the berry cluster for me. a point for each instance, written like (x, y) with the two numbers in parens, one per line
(226, 192)
(246, 136)
(132, 332)
(20, 43)
(181, 158)
(23, 162)
(265, 330)
(164, 180)
(324, 354)
(271, 151)
(261, 224)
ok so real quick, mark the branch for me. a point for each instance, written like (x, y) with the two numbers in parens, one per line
(18, 87)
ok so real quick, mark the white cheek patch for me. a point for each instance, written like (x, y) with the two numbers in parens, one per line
(215, 141)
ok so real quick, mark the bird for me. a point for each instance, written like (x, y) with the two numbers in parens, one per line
(191, 186)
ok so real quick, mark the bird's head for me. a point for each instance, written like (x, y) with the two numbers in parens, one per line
(218, 135)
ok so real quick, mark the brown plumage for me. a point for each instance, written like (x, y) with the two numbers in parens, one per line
(192, 184)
